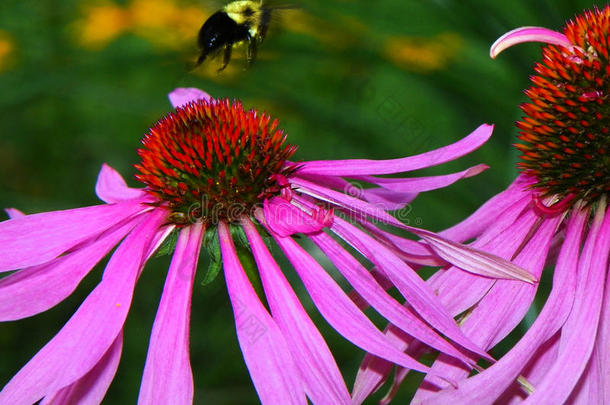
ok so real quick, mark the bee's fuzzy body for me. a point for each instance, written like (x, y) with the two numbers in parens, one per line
(242, 21)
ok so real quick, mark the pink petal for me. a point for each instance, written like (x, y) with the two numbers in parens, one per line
(82, 342)
(374, 371)
(14, 213)
(579, 332)
(340, 312)
(388, 200)
(363, 282)
(363, 167)
(167, 373)
(38, 238)
(92, 387)
(503, 307)
(589, 389)
(111, 188)
(421, 184)
(496, 379)
(266, 352)
(515, 198)
(35, 289)
(411, 286)
(602, 346)
(458, 290)
(466, 258)
(476, 261)
(184, 95)
(529, 34)
(323, 381)
(285, 219)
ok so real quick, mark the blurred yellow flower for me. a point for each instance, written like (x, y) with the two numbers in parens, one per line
(100, 25)
(423, 54)
(164, 23)
(7, 45)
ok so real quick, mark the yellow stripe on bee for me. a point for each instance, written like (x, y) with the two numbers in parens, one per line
(235, 11)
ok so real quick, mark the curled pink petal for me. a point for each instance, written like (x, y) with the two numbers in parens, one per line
(184, 95)
(529, 34)
(285, 219)
(111, 187)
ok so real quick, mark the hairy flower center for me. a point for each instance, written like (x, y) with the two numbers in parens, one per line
(567, 123)
(212, 160)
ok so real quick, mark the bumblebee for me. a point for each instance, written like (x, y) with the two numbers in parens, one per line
(237, 22)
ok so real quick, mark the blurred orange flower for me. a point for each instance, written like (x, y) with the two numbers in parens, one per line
(423, 54)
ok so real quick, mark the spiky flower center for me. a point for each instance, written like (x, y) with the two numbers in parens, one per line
(567, 123)
(212, 160)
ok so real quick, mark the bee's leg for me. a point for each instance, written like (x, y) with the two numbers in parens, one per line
(252, 50)
(264, 23)
(201, 58)
(226, 58)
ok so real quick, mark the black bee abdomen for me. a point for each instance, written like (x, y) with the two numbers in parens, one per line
(220, 30)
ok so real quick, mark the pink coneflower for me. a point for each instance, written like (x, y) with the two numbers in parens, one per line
(214, 170)
(553, 216)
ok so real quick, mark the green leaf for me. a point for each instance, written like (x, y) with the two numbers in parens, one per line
(169, 244)
(212, 246)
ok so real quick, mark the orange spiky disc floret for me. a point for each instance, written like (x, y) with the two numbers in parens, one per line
(213, 160)
(565, 132)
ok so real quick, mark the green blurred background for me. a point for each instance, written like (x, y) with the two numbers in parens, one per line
(81, 81)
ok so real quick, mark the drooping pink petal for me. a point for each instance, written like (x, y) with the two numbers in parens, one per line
(529, 34)
(421, 184)
(14, 213)
(411, 286)
(489, 213)
(457, 290)
(388, 200)
(265, 350)
(502, 308)
(35, 289)
(111, 187)
(323, 381)
(474, 261)
(497, 378)
(167, 374)
(82, 342)
(184, 95)
(364, 167)
(374, 371)
(285, 219)
(602, 345)
(589, 389)
(91, 388)
(38, 238)
(363, 282)
(336, 307)
(580, 330)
